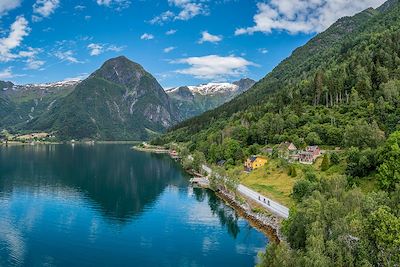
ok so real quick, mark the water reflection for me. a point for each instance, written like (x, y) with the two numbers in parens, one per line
(120, 182)
(226, 215)
(107, 205)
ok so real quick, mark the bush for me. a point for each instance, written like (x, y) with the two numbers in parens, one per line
(302, 189)
(335, 159)
(325, 163)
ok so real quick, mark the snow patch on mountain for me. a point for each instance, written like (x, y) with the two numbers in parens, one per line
(209, 88)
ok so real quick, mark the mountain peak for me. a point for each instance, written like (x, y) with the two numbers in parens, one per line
(123, 71)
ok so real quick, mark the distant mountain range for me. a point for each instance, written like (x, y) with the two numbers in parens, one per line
(23, 103)
(119, 101)
(194, 100)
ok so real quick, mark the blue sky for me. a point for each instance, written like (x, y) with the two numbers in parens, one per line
(181, 42)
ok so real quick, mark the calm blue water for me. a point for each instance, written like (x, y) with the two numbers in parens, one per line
(106, 205)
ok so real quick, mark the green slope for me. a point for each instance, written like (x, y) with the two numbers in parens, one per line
(348, 75)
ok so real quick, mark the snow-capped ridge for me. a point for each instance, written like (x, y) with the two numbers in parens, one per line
(213, 88)
(65, 83)
(209, 88)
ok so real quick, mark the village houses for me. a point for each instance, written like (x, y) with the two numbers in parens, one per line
(290, 152)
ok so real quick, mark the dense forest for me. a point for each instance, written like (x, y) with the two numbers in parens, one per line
(341, 91)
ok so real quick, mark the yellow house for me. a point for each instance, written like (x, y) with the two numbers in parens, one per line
(255, 162)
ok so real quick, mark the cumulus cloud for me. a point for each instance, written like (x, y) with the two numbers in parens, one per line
(44, 8)
(263, 50)
(214, 66)
(208, 37)
(97, 49)
(19, 29)
(303, 16)
(169, 49)
(147, 36)
(7, 5)
(117, 4)
(163, 17)
(187, 9)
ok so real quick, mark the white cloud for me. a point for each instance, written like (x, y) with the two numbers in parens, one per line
(7, 5)
(68, 56)
(187, 9)
(117, 4)
(115, 48)
(263, 50)
(214, 66)
(19, 29)
(104, 2)
(32, 63)
(169, 49)
(80, 7)
(97, 49)
(44, 8)
(163, 17)
(171, 32)
(6, 74)
(147, 36)
(208, 37)
(303, 16)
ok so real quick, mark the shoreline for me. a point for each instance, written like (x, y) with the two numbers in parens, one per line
(151, 150)
(19, 143)
(269, 224)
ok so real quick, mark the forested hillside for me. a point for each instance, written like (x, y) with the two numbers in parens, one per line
(342, 83)
(340, 91)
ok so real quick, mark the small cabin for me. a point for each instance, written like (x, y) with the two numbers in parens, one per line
(309, 155)
(306, 157)
(286, 150)
(315, 150)
(255, 162)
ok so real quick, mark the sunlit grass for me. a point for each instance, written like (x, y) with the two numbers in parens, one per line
(272, 181)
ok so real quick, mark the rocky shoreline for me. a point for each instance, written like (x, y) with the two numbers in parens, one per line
(269, 225)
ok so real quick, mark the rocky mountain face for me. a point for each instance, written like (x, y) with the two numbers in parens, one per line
(195, 100)
(119, 101)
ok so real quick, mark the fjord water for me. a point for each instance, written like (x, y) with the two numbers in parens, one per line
(107, 205)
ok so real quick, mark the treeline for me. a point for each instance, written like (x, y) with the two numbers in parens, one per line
(338, 226)
(341, 89)
(334, 223)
